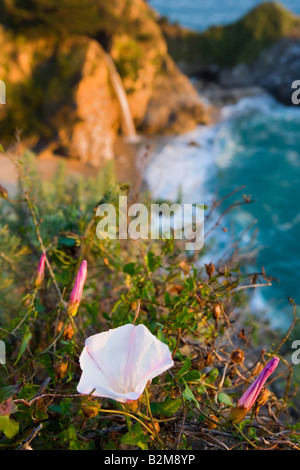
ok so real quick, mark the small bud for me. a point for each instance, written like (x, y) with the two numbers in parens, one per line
(217, 312)
(90, 409)
(3, 192)
(263, 397)
(209, 358)
(68, 332)
(237, 356)
(60, 326)
(76, 293)
(232, 371)
(155, 428)
(247, 401)
(210, 269)
(175, 393)
(257, 369)
(132, 405)
(61, 369)
(184, 266)
(209, 423)
(40, 271)
(176, 288)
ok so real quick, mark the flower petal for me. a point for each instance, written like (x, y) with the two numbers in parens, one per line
(110, 351)
(92, 378)
(148, 357)
(119, 363)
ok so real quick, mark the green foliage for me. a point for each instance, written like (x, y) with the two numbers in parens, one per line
(49, 17)
(8, 426)
(39, 104)
(238, 42)
(129, 58)
(136, 437)
(155, 283)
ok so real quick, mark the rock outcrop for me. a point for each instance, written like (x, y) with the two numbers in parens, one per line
(59, 91)
(175, 106)
(262, 49)
(275, 70)
(230, 45)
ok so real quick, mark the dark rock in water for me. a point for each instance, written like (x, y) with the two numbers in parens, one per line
(175, 106)
(219, 96)
(275, 70)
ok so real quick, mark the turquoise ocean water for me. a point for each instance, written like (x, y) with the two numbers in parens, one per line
(257, 144)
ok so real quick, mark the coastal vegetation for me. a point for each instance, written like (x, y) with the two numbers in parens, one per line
(198, 369)
(200, 313)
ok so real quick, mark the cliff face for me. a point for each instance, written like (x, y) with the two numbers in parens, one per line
(275, 70)
(239, 42)
(60, 93)
(260, 49)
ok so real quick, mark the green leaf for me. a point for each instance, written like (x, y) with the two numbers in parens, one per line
(27, 391)
(136, 437)
(186, 366)
(212, 376)
(153, 262)
(74, 444)
(184, 316)
(8, 426)
(192, 376)
(188, 394)
(166, 408)
(201, 389)
(129, 269)
(26, 338)
(225, 399)
(7, 392)
(252, 434)
(119, 302)
(167, 299)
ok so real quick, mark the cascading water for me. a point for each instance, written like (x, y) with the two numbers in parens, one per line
(128, 126)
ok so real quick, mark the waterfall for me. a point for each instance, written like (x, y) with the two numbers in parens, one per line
(2, 92)
(128, 126)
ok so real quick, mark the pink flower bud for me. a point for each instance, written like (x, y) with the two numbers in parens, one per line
(76, 293)
(249, 398)
(40, 271)
(251, 394)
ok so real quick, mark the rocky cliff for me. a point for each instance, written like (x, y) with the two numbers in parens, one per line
(239, 42)
(260, 49)
(275, 70)
(59, 89)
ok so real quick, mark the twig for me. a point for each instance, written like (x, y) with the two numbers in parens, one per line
(32, 435)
